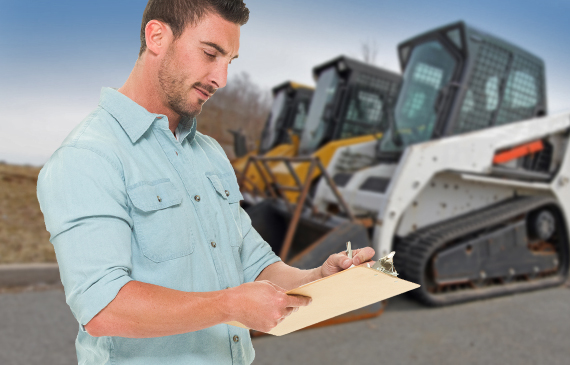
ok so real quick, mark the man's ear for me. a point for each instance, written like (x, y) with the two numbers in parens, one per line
(158, 36)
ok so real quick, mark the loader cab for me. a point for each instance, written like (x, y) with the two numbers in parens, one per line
(288, 115)
(352, 99)
(458, 79)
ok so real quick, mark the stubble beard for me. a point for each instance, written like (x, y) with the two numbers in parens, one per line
(172, 83)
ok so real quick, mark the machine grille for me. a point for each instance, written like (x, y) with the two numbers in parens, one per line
(522, 92)
(482, 97)
(375, 184)
(505, 87)
(341, 179)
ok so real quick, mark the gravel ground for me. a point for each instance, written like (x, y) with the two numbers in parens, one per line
(530, 328)
(36, 327)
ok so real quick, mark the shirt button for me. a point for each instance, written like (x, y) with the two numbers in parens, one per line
(176, 153)
(197, 198)
(227, 193)
(236, 338)
(213, 244)
(159, 199)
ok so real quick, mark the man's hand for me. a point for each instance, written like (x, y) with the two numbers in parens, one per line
(340, 261)
(261, 305)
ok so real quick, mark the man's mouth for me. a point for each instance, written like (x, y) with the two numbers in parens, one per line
(205, 95)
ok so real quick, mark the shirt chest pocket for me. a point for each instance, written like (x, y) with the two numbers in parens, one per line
(162, 227)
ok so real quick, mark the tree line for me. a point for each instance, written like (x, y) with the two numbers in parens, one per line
(241, 105)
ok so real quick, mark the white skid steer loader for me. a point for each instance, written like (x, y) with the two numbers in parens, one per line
(471, 185)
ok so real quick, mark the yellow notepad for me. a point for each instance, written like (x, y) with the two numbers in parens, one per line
(340, 293)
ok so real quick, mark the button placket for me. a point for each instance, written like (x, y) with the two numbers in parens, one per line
(185, 164)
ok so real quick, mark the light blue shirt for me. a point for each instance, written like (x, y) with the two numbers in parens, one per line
(124, 200)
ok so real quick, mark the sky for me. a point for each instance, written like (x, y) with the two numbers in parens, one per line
(56, 55)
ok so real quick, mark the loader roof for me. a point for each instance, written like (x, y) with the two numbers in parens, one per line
(291, 85)
(465, 41)
(346, 64)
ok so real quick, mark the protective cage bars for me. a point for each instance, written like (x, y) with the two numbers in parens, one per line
(277, 190)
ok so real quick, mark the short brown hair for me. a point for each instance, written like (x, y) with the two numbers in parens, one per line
(179, 13)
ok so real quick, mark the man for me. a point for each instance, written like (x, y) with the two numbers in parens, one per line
(154, 250)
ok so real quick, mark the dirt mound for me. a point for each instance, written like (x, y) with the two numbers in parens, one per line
(23, 236)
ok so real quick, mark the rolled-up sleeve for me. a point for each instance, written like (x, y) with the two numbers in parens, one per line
(82, 196)
(256, 254)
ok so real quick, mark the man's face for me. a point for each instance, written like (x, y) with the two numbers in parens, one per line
(196, 64)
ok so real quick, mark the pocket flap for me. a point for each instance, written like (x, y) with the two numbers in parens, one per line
(217, 184)
(154, 195)
(227, 187)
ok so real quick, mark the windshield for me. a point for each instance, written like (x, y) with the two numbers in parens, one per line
(316, 120)
(270, 131)
(300, 117)
(364, 114)
(430, 69)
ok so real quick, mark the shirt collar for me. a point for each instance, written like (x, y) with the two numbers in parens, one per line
(135, 119)
(186, 129)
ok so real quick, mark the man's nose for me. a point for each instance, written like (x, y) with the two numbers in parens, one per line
(219, 75)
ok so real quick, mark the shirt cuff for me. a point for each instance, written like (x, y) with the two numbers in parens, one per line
(259, 267)
(99, 295)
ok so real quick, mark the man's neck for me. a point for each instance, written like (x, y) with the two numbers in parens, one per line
(145, 91)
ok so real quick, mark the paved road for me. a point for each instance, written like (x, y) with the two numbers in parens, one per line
(532, 328)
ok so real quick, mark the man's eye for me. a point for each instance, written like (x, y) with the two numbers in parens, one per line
(209, 55)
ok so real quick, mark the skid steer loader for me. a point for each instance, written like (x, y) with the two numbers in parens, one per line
(280, 135)
(352, 104)
(471, 185)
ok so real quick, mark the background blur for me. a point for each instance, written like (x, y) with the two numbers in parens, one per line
(56, 55)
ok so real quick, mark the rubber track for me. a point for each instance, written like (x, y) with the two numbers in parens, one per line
(415, 250)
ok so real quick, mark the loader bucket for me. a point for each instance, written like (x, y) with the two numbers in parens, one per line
(333, 241)
(272, 224)
(314, 240)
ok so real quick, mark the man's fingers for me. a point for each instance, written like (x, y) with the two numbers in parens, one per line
(288, 312)
(340, 260)
(363, 255)
(298, 301)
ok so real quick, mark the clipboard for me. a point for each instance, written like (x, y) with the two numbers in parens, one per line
(340, 293)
